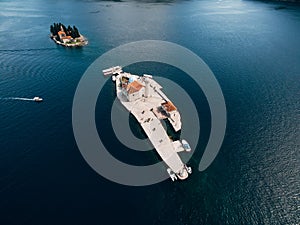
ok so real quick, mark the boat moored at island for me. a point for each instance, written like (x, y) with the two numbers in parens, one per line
(186, 145)
(142, 96)
(113, 71)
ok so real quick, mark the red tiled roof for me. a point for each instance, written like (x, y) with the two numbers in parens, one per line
(169, 106)
(135, 86)
(67, 37)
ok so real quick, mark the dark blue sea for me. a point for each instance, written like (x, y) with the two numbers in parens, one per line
(252, 48)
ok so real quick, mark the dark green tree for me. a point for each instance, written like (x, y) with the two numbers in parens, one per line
(70, 31)
(56, 28)
(76, 32)
(57, 38)
(64, 28)
(52, 29)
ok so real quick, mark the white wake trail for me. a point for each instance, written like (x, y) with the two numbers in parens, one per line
(18, 98)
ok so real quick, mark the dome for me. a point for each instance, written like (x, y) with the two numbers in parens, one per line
(131, 79)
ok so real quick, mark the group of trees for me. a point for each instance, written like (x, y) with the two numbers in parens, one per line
(70, 31)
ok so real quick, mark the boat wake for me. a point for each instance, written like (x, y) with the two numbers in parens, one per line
(18, 98)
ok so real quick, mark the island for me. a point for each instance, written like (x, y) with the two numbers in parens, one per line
(143, 97)
(67, 36)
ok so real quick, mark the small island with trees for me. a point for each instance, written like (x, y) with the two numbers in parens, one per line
(67, 36)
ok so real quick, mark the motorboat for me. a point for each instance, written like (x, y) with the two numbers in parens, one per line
(188, 169)
(186, 145)
(37, 99)
(172, 174)
(183, 173)
(112, 71)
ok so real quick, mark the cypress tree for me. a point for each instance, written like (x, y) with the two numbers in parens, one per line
(64, 28)
(76, 32)
(52, 29)
(58, 38)
(70, 31)
(56, 28)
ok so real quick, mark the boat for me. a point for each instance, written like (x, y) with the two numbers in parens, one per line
(183, 173)
(172, 174)
(188, 169)
(112, 71)
(37, 99)
(186, 145)
(143, 97)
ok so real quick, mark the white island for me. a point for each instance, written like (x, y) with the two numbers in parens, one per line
(142, 96)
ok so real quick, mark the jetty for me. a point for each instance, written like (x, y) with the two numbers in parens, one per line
(143, 97)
